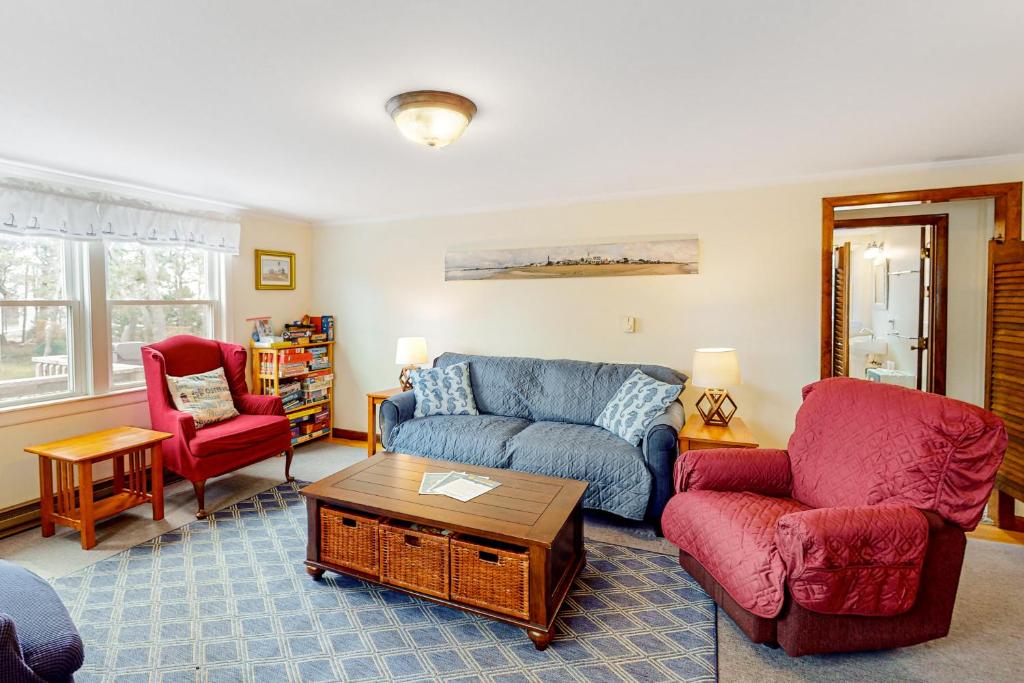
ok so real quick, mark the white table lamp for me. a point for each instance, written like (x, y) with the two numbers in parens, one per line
(410, 353)
(716, 369)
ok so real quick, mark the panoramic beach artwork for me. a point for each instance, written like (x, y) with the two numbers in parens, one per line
(678, 255)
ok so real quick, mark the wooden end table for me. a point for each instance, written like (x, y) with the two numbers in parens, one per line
(541, 514)
(374, 399)
(130, 485)
(697, 436)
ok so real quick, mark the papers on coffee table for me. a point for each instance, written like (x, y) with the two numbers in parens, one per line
(461, 486)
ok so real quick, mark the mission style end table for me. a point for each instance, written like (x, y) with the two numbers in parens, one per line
(130, 484)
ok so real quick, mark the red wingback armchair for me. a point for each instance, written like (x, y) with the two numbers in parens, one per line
(259, 431)
(853, 537)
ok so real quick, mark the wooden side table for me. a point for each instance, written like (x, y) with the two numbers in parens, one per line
(374, 399)
(696, 435)
(130, 485)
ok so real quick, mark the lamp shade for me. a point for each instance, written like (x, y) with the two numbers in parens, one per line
(717, 368)
(411, 351)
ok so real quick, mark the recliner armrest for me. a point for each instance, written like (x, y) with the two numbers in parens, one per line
(757, 470)
(393, 412)
(863, 560)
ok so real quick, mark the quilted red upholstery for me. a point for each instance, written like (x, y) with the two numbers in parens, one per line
(760, 470)
(854, 560)
(240, 432)
(862, 443)
(732, 536)
(839, 516)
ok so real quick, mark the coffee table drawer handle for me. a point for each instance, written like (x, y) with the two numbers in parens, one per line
(349, 522)
(414, 541)
(488, 557)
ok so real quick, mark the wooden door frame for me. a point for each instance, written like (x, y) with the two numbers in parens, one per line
(1007, 198)
(939, 279)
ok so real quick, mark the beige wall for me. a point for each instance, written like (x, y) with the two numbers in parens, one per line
(19, 471)
(758, 289)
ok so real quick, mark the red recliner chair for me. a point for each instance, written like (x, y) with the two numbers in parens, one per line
(852, 538)
(261, 430)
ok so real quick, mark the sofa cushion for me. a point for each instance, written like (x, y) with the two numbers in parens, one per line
(620, 481)
(863, 443)
(443, 391)
(548, 390)
(472, 439)
(638, 401)
(732, 536)
(238, 432)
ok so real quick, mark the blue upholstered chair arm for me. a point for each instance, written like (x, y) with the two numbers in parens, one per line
(393, 412)
(661, 446)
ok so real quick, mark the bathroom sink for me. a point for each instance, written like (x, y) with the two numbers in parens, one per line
(865, 345)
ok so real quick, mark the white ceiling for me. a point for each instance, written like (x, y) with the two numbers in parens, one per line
(280, 105)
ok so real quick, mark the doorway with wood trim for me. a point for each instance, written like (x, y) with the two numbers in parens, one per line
(889, 299)
(1004, 317)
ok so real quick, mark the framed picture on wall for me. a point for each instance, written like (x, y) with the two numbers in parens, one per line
(275, 269)
(880, 283)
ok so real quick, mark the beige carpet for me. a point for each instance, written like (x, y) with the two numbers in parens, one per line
(983, 645)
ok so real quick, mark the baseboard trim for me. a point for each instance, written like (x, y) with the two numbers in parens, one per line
(18, 518)
(350, 434)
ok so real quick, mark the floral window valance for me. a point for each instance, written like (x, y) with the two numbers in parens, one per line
(33, 208)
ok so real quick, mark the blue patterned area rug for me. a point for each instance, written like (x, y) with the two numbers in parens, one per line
(228, 599)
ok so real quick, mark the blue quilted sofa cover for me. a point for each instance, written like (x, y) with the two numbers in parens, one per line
(38, 641)
(538, 416)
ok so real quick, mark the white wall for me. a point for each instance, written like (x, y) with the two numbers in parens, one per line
(19, 481)
(758, 289)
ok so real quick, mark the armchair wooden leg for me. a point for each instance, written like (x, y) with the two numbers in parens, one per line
(288, 464)
(200, 489)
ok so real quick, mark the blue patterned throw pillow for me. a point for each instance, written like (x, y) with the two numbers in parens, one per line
(443, 391)
(640, 399)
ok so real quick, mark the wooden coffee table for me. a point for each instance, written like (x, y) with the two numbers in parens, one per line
(542, 514)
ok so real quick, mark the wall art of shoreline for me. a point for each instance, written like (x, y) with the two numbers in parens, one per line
(678, 255)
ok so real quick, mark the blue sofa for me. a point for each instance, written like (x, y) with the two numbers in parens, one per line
(538, 416)
(38, 640)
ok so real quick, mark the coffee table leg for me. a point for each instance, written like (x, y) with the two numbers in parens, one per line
(86, 514)
(46, 496)
(157, 468)
(315, 572)
(540, 639)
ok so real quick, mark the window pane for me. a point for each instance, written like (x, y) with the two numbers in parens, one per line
(34, 360)
(136, 271)
(31, 268)
(134, 326)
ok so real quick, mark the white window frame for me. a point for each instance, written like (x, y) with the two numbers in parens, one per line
(103, 351)
(78, 366)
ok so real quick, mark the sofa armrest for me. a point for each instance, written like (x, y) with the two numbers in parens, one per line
(864, 560)
(757, 470)
(393, 412)
(660, 448)
(259, 404)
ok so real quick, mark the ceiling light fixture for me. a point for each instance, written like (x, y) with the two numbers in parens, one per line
(431, 117)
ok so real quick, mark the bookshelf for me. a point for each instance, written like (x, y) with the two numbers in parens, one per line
(277, 368)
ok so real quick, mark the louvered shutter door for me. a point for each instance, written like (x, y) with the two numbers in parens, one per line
(1004, 385)
(841, 312)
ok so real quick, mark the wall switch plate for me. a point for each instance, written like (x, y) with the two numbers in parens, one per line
(629, 324)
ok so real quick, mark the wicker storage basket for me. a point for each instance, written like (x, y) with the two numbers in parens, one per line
(492, 577)
(416, 559)
(349, 540)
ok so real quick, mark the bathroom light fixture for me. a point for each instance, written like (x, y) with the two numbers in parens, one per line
(874, 250)
(431, 117)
